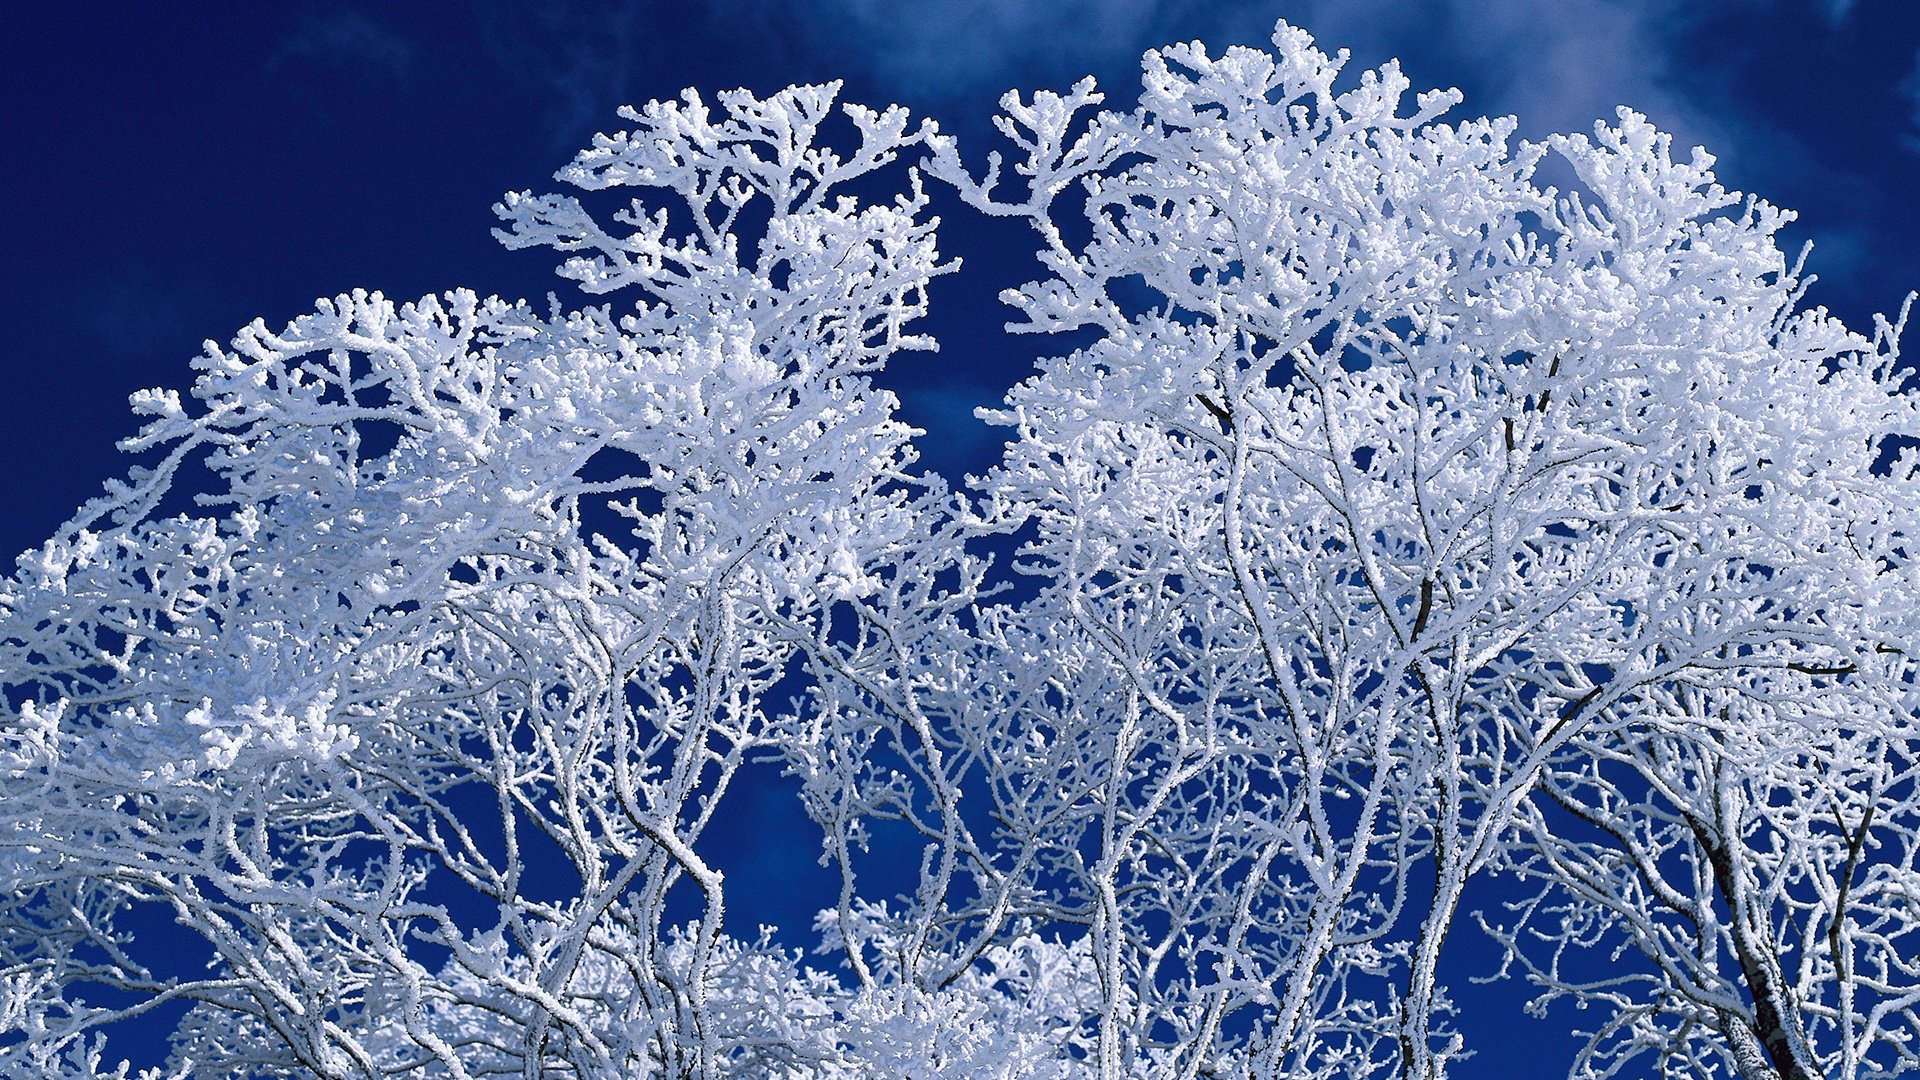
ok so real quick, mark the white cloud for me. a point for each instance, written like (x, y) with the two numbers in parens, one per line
(1557, 66)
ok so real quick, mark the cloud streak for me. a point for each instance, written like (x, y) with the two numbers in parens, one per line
(346, 38)
(1910, 87)
(967, 47)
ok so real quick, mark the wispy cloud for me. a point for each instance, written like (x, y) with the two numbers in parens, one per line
(345, 37)
(963, 47)
(1558, 67)
(584, 57)
(1910, 86)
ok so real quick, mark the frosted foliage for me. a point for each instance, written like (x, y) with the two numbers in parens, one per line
(1409, 549)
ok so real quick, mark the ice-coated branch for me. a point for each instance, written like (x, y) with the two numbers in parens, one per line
(1401, 532)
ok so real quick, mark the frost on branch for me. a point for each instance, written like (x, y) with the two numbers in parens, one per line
(477, 595)
(828, 276)
(1406, 534)
(1406, 520)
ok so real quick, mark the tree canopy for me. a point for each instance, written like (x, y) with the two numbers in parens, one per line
(1391, 521)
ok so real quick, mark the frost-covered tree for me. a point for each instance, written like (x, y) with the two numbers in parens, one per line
(1402, 524)
(1398, 496)
(486, 617)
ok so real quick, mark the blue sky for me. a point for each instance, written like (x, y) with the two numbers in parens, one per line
(179, 170)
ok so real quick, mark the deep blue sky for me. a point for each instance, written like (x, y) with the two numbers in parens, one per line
(180, 169)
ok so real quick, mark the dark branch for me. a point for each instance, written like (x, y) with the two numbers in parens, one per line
(1225, 417)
